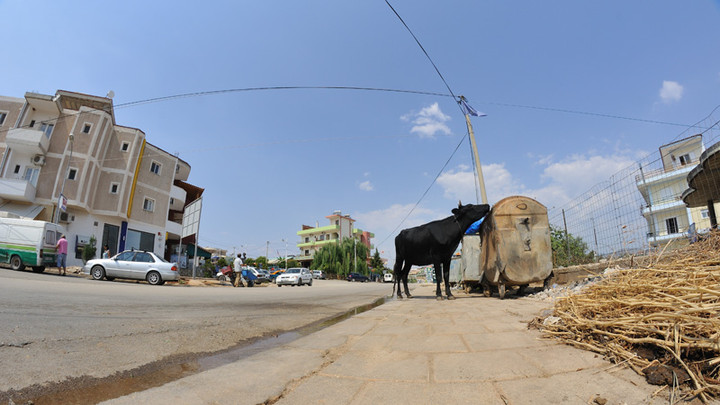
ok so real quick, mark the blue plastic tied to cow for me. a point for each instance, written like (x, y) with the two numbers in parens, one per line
(475, 227)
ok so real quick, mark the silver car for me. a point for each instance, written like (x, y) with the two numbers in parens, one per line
(133, 264)
(295, 276)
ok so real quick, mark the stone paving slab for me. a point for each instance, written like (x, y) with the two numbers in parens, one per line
(473, 350)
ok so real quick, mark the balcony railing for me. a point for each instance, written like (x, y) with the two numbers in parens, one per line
(17, 189)
(649, 174)
(28, 140)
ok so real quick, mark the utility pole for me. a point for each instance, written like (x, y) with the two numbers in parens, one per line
(471, 111)
(267, 247)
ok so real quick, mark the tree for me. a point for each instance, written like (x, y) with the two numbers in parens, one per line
(88, 251)
(261, 262)
(568, 250)
(376, 261)
(342, 258)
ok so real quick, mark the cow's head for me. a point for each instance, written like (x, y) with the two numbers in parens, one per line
(471, 211)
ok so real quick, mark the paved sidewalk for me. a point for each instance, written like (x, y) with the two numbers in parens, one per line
(473, 350)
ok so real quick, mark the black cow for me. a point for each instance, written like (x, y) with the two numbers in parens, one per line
(434, 243)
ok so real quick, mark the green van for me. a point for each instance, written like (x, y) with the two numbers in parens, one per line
(26, 242)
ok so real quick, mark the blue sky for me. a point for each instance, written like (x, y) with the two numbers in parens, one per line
(271, 161)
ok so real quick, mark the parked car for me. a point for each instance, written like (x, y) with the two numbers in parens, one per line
(319, 274)
(260, 276)
(357, 277)
(275, 273)
(295, 276)
(388, 277)
(133, 264)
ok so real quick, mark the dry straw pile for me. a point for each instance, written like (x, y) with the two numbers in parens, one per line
(661, 318)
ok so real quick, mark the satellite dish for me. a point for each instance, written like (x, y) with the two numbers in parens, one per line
(110, 94)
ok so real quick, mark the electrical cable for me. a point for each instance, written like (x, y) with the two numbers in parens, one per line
(425, 193)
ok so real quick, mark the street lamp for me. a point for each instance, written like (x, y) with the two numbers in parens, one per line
(286, 257)
(67, 173)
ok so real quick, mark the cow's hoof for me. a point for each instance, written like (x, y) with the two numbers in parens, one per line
(408, 295)
(451, 297)
(439, 298)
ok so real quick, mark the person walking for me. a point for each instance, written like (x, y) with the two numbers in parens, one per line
(237, 269)
(61, 247)
(106, 252)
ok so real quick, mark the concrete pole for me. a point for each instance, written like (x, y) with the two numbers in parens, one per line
(478, 167)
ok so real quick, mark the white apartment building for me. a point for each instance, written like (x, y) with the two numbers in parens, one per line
(667, 216)
(121, 189)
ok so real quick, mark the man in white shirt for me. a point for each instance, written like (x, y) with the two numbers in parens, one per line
(237, 269)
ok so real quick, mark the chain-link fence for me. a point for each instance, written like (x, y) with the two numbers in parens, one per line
(649, 205)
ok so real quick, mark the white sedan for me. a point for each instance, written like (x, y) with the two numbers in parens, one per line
(295, 276)
(133, 264)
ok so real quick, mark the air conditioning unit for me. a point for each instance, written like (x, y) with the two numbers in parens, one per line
(38, 160)
(65, 217)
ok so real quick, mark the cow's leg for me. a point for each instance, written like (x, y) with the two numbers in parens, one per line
(438, 279)
(405, 274)
(446, 275)
(397, 275)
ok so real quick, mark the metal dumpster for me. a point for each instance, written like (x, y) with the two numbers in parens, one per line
(470, 262)
(516, 248)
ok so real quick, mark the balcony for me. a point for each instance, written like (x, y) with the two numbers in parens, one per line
(173, 228)
(664, 205)
(652, 176)
(28, 140)
(17, 190)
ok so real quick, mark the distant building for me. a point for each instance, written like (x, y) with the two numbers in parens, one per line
(668, 219)
(121, 189)
(341, 227)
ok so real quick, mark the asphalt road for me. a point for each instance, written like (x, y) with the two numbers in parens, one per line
(58, 332)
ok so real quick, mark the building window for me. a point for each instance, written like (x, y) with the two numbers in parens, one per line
(3, 115)
(32, 124)
(172, 201)
(307, 253)
(307, 239)
(125, 146)
(46, 128)
(86, 128)
(17, 169)
(672, 225)
(114, 188)
(31, 175)
(155, 167)
(705, 214)
(684, 159)
(72, 174)
(149, 205)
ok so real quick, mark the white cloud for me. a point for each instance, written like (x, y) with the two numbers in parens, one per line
(384, 221)
(428, 122)
(671, 91)
(459, 184)
(366, 186)
(563, 180)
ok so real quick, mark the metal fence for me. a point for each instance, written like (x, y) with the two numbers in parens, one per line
(643, 207)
